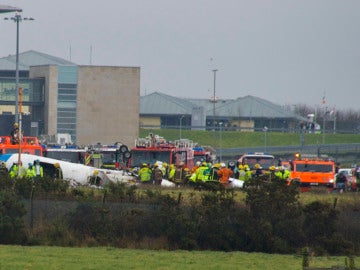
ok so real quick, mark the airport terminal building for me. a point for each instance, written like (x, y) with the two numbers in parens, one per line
(91, 103)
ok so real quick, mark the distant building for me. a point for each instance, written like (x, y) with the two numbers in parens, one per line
(91, 103)
(248, 113)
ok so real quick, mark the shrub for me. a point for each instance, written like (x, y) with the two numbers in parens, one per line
(275, 215)
(51, 185)
(320, 228)
(6, 182)
(122, 191)
(92, 221)
(12, 212)
(23, 187)
(216, 220)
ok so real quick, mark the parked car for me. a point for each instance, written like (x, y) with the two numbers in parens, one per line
(350, 178)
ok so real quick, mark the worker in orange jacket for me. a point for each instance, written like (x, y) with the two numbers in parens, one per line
(224, 174)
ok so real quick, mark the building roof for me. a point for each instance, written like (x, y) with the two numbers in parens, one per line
(245, 107)
(250, 106)
(31, 58)
(158, 103)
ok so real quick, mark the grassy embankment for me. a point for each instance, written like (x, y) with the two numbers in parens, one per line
(47, 258)
(233, 139)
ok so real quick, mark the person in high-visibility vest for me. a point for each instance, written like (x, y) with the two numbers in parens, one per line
(200, 172)
(171, 172)
(283, 173)
(145, 174)
(14, 170)
(22, 171)
(241, 172)
(30, 171)
(38, 169)
(165, 170)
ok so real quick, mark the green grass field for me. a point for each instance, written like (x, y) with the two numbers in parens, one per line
(233, 139)
(46, 258)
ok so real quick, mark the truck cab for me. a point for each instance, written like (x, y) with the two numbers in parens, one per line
(312, 171)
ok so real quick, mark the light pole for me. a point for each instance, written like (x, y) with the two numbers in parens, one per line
(215, 70)
(17, 19)
(220, 150)
(324, 123)
(181, 118)
(265, 129)
(214, 100)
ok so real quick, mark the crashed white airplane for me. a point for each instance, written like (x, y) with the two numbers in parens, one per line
(79, 175)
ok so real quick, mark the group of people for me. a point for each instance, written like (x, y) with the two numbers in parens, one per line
(154, 174)
(208, 172)
(204, 172)
(33, 170)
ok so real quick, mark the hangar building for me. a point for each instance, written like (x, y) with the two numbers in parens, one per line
(249, 113)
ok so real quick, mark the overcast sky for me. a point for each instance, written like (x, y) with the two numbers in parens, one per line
(285, 51)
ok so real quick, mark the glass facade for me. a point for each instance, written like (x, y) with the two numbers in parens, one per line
(67, 95)
(32, 103)
(32, 90)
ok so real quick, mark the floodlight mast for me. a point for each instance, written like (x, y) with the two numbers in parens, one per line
(17, 19)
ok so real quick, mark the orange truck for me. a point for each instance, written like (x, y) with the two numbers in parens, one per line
(312, 171)
(27, 145)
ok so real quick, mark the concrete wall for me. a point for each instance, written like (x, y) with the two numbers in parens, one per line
(108, 104)
(50, 73)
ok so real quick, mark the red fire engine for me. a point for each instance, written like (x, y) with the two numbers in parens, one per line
(154, 148)
(204, 153)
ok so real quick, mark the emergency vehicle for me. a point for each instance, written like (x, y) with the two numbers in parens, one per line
(312, 171)
(202, 153)
(100, 156)
(69, 153)
(107, 156)
(154, 148)
(265, 160)
(27, 145)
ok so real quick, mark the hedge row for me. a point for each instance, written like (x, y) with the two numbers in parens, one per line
(272, 219)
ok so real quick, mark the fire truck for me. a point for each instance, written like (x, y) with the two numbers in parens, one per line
(98, 155)
(107, 156)
(154, 149)
(204, 153)
(312, 171)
